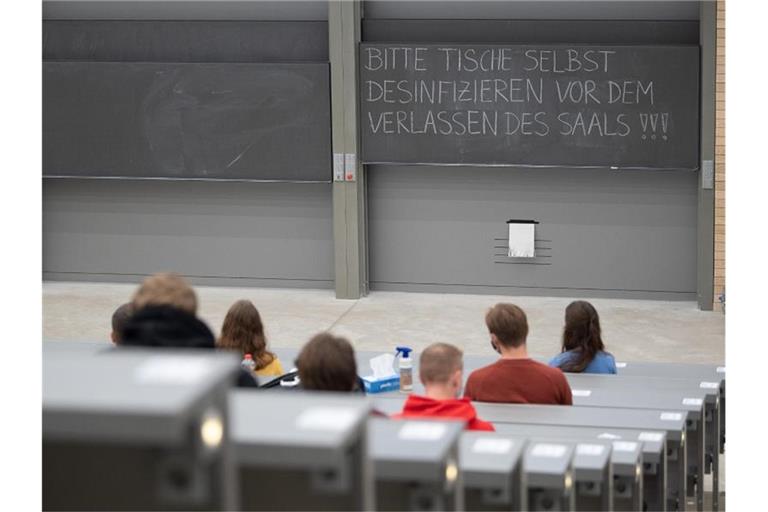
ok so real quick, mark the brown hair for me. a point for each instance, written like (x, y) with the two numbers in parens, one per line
(582, 334)
(119, 318)
(327, 363)
(166, 289)
(438, 362)
(509, 323)
(243, 331)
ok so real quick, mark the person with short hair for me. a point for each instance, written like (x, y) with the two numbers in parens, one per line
(119, 319)
(165, 315)
(243, 331)
(166, 289)
(583, 350)
(440, 371)
(515, 377)
(327, 363)
(165, 309)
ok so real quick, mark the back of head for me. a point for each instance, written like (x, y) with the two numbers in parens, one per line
(166, 289)
(439, 362)
(164, 315)
(508, 323)
(581, 333)
(243, 331)
(327, 363)
(119, 320)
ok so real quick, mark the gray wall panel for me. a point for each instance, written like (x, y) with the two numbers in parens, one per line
(185, 41)
(277, 233)
(526, 32)
(629, 234)
(532, 9)
(186, 9)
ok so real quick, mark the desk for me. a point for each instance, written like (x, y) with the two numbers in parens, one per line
(548, 477)
(706, 373)
(630, 458)
(415, 464)
(673, 423)
(677, 388)
(147, 424)
(691, 406)
(491, 468)
(299, 451)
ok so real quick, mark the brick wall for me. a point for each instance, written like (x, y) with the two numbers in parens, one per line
(719, 274)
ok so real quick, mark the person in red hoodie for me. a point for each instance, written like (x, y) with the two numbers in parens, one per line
(440, 371)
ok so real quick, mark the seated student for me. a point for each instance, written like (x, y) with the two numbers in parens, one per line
(165, 315)
(165, 309)
(119, 319)
(515, 377)
(243, 331)
(583, 349)
(327, 363)
(440, 370)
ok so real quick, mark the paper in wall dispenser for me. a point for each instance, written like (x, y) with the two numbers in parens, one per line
(522, 238)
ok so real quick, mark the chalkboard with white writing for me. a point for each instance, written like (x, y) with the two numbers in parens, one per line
(523, 105)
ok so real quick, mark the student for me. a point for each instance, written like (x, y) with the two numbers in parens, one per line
(165, 309)
(165, 315)
(243, 331)
(327, 363)
(440, 371)
(515, 377)
(583, 349)
(119, 319)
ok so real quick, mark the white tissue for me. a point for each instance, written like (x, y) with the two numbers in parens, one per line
(382, 366)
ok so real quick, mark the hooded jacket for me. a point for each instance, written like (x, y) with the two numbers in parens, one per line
(170, 327)
(460, 408)
(166, 326)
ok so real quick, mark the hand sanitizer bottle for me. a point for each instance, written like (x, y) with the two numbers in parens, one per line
(405, 366)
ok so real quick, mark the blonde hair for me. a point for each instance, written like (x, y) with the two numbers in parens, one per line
(166, 289)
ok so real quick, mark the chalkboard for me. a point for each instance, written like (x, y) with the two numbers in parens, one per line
(524, 105)
(220, 121)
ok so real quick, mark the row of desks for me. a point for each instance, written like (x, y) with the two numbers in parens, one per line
(694, 393)
(156, 411)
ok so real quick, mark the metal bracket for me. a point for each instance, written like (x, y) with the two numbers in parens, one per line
(708, 174)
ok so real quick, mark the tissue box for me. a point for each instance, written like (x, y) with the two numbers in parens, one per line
(391, 383)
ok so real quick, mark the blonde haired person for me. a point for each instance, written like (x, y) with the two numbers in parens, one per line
(243, 331)
(166, 289)
(165, 315)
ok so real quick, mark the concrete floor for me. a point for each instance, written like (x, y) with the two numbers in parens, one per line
(632, 329)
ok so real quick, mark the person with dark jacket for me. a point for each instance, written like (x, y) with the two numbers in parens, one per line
(165, 316)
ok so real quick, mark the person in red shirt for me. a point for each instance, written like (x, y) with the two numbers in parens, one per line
(515, 377)
(440, 370)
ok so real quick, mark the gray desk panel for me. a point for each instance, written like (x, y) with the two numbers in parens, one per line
(410, 449)
(488, 459)
(681, 370)
(549, 464)
(633, 451)
(300, 429)
(129, 394)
